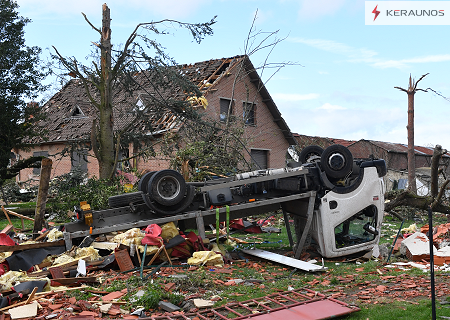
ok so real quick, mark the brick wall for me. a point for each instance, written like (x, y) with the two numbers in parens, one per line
(265, 134)
(60, 165)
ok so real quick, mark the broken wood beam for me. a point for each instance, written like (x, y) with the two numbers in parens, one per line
(6, 214)
(42, 236)
(8, 229)
(31, 246)
(31, 296)
(18, 214)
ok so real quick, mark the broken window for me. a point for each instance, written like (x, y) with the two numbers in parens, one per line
(140, 104)
(79, 160)
(37, 171)
(225, 109)
(121, 163)
(358, 229)
(259, 158)
(249, 113)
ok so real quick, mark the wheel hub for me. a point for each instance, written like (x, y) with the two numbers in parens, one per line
(336, 161)
(168, 188)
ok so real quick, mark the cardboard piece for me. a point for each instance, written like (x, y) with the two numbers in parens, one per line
(201, 303)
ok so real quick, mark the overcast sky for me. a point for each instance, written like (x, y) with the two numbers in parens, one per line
(344, 84)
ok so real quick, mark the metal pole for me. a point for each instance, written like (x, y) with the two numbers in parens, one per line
(433, 289)
(395, 241)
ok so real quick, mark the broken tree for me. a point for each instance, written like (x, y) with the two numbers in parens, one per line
(412, 89)
(44, 181)
(408, 198)
(102, 83)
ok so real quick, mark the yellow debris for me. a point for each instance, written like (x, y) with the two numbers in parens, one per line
(54, 235)
(169, 231)
(196, 101)
(88, 251)
(208, 258)
(411, 229)
(64, 258)
(132, 236)
(13, 278)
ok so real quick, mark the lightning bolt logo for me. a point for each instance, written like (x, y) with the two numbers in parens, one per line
(375, 12)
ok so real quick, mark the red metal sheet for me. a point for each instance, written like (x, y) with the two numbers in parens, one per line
(299, 304)
(324, 309)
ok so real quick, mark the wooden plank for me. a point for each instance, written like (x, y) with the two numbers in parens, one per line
(8, 229)
(31, 246)
(67, 281)
(17, 214)
(42, 236)
(6, 214)
(31, 296)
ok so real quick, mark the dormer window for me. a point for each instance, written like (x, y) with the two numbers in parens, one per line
(140, 105)
(77, 112)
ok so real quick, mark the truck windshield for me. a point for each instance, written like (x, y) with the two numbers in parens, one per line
(359, 228)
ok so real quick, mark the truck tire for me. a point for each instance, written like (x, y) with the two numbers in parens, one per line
(123, 200)
(310, 152)
(336, 161)
(143, 182)
(166, 211)
(167, 187)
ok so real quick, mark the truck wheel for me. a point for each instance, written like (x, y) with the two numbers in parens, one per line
(336, 161)
(167, 187)
(143, 182)
(310, 154)
(123, 200)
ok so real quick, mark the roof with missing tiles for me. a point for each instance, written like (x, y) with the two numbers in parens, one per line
(70, 114)
(403, 148)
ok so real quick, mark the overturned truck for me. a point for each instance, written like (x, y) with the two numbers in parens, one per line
(336, 202)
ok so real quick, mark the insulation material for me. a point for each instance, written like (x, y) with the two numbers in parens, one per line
(54, 235)
(24, 260)
(4, 255)
(169, 231)
(88, 251)
(132, 236)
(13, 278)
(28, 242)
(411, 229)
(208, 258)
(64, 258)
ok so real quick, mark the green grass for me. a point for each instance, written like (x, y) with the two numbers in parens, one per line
(16, 223)
(21, 205)
(398, 311)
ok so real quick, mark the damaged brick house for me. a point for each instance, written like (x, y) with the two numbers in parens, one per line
(396, 157)
(70, 117)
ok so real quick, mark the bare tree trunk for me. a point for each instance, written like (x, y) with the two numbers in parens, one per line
(46, 169)
(412, 89)
(437, 154)
(411, 154)
(4, 195)
(106, 121)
